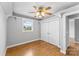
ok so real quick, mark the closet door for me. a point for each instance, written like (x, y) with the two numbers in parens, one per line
(54, 32)
(50, 32)
(44, 31)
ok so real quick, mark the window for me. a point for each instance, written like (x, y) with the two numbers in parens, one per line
(27, 25)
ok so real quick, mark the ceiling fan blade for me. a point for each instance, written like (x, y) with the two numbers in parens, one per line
(35, 7)
(47, 8)
(41, 7)
(49, 13)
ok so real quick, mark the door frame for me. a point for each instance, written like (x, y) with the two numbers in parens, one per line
(64, 18)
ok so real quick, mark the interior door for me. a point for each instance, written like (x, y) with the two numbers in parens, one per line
(54, 32)
(44, 31)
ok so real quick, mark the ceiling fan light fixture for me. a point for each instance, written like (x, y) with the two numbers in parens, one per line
(41, 11)
(38, 15)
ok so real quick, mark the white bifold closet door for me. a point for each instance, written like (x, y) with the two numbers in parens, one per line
(50, 32)
(54, 32)
(44, 31)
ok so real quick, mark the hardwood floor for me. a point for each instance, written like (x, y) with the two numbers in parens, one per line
(73, 50)
(36, 48)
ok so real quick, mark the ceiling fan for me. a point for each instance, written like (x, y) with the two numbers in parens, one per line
(41, 11)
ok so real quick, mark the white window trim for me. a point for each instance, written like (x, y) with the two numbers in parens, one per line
(23, 25)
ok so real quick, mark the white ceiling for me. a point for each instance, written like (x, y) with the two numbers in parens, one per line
(7, 6)
(26, 7)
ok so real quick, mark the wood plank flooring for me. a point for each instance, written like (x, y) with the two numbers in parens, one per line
(73, 50)
(36, 48)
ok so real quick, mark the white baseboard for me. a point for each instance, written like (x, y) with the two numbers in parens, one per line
(77, 42)
(21, 43)
(4, 52)
(64, 52)
(51, 43)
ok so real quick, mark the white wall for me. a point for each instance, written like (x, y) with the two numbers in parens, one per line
(72, 28)
(2, 31)
(8, 7)
(77, 30)
(15, 34)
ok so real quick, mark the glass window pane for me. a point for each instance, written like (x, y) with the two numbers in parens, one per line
(27, 25)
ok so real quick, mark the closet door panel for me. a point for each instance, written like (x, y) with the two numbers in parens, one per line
(50, 32)
(54, 32)
(44, 31)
